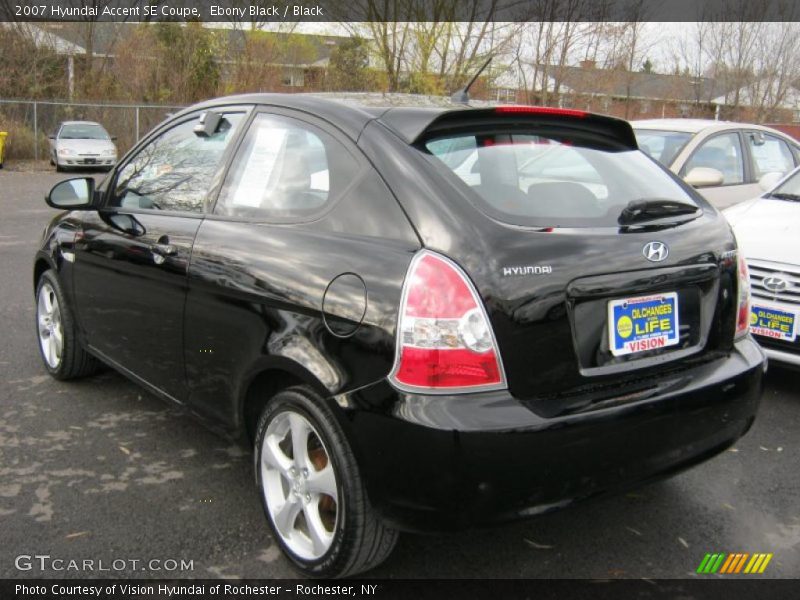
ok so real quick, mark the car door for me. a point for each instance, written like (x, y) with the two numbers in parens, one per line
(724, 152)
(771, 155)
(303, 230)
(132, 256)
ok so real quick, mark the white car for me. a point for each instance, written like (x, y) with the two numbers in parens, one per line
(767, 232)
(727, 162)
(82, 144)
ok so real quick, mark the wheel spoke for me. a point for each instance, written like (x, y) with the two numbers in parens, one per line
(287, 515)
(320, 537)
(323, 482)
(43, 309)
(50, 354)
(300, 430)
(58, 342)
(44, 330)
(273, 456)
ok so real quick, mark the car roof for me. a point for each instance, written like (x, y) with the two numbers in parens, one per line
(695, 125)
(80, 123)
(407, 122)
(349, 117)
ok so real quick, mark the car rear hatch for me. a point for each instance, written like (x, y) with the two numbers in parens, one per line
(604, 277)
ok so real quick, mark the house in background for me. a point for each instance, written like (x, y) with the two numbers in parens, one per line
(301, 69)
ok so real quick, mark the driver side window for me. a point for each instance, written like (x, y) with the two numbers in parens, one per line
(174, 171)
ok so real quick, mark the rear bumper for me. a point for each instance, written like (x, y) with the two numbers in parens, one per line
(784, 358)
(449, 462)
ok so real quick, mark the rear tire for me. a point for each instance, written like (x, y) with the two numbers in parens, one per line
(61, 352)
(327, 526)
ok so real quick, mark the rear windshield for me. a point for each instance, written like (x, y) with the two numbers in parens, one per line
(661, 145)
(533, 180)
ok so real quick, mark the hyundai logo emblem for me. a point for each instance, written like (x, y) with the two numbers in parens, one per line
(775, 284)
(655, 251)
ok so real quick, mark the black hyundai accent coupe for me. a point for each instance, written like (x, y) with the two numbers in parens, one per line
(421, 319)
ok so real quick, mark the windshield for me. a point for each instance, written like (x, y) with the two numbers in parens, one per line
(661, 145)
(789, 189)
(532, 180)
(83, 131)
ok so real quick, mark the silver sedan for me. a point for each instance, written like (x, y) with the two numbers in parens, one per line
(727, 162)
(82, 144)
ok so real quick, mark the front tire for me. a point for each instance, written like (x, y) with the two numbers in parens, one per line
(312, 492)
(61, 352)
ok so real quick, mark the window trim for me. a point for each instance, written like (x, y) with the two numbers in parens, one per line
(305, 119)
(110, 184)
(747, 175)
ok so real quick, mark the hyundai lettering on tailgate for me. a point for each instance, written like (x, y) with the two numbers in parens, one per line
(773, 322)
(643, 323)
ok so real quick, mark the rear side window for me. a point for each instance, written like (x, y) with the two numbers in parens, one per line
(534, 180)
(770, 154)
(286, 169)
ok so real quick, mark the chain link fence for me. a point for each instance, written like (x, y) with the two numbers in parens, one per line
(29, 123)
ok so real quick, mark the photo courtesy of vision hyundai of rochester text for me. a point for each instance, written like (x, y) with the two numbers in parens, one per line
(419, 319)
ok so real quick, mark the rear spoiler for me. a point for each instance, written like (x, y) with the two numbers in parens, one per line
(413, 124)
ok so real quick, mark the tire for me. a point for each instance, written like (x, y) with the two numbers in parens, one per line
(350, 537)
(59, 168)
(65, 358)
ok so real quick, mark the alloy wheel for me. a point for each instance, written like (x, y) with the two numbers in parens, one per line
(299, 485)
(51, 330)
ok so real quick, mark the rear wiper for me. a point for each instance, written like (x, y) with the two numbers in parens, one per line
(638, 211)
(784, 196)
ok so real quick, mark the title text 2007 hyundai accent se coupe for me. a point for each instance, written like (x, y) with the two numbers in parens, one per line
(421, 319)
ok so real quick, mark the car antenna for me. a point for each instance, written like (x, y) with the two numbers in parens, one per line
(462, 95)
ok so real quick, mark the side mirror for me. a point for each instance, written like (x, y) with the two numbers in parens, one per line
(72, 194)
(769, 180)
(700, 177)
(52, 136)
(113, 138)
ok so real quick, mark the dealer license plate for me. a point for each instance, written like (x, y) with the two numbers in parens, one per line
(643, 323)
(773, 322)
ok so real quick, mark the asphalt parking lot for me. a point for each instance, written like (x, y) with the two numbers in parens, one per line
(99, 469)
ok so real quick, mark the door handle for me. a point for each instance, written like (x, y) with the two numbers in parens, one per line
(164, 249)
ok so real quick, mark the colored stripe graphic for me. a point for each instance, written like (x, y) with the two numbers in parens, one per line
(729, 563)
(765, 563)
(741, 563)
(704, 563)
(734, 563)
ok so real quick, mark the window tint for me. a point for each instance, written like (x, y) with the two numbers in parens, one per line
(723, 153)
(661, 145)
(285, 169)
(528, 179)
(174, 171)
(770, 154)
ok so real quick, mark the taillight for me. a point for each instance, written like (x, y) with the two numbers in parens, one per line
(743, 305)
(541, 110)
(445, 343)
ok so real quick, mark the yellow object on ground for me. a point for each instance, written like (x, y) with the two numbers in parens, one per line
(3, 135)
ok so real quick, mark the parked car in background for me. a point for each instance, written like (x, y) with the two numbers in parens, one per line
(406, 345)
(82, 144)
(727, 162)
(768, 231)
